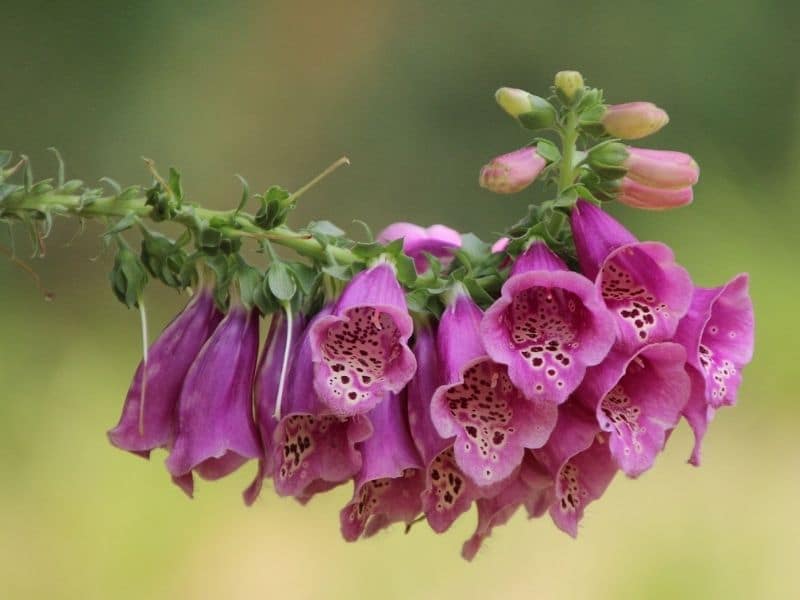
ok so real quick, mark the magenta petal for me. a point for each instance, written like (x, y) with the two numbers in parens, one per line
(437, 240)
(458, 340)
(646, 291)
(638, 400)
(216, 432)
(360, 352)
(718, 334)
(548, 325)
(389, 484)
(312, 449)
(596, 234)
(169, 360)
(578, 458)
(697, 413)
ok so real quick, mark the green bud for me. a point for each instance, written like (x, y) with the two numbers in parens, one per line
(275, 206)
(608, 159)
(128, 276)
(569, 84)
(531, 111)
(164, 259)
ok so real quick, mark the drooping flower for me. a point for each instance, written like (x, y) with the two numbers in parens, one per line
(360, 352)
(497, 509)
(661, 168)
(578, 459)
(387, 488)
(548, 325)
(512, 172)
(216, 433)
(437, 240)
(718, 334)
(637, 400)
(266, 388)
(634, 120)
(143, 428)
(641, 284)
(491, 420)
(312, 450)
(638, 195)
(448, 492)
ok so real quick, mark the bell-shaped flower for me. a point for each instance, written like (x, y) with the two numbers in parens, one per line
(496, 510)
(578, 459)
(216, 431)
(149, 416)
(312, 450)
(387, 488)
(661, 168)
(512, 172)
(642, 285)
(637, 400)
(718, 334)
(267, 386)
(448, 492)
(437, 240)
(634, 120)
(478, 405)
(360, 352)
(548, 325)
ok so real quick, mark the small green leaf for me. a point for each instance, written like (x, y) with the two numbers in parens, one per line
(548, 151)
(325, 228)
(61, 168)
(281, 282)
(417, 300)
(175, 186)
(116, 187)
(406, 272)
(245, 194)
(305, 276)
(124, 223)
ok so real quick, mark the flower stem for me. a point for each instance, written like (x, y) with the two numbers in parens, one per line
(569, 137)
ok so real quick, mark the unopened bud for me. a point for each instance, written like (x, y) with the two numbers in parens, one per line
(608, 159)
(638, 195)
(662, 168)
(531, 111)
(512, 172)
(569, 84)
(634, 120)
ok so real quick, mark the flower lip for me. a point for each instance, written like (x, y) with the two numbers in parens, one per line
(361, 352)
(548, 325)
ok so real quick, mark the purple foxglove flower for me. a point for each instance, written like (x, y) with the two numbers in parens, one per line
(267, 384)
(448, 492)
(361, 352)
(637, 400)
(438, 240)
(718, 334)
(548, 325)
(491, 420)
(389, 484)
(312, 450)
(512, 172)
(168, 362)
(216, 432)
(639, 195)
(634, 120)
(578, 459)
(641, 284)
(661, 168)
(497, 509)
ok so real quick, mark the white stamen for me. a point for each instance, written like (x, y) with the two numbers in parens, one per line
(143, 320)
(285, 364)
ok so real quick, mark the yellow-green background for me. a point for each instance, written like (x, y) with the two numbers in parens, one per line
(277, 90)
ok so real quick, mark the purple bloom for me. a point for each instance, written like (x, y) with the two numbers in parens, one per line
(388, 486)
(267, 382)
(644, 288)
(360, 352)
(547, 327)
(497, 509)
(438, 240)
(718, 334)
(637, 400)
(448, 492)
(142, 429)
(312, 450)
(491, 420)
(578, 459)
(216, 432)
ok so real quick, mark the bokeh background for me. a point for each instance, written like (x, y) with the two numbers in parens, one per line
(276, 91)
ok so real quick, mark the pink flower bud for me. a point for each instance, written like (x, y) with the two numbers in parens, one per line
(634, 120)
(512, 172)
(500, 245)
(639, 195)
(661, 168)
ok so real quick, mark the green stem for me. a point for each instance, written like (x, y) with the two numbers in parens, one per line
(569, 137)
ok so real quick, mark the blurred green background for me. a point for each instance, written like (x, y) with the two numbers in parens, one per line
(276, 91)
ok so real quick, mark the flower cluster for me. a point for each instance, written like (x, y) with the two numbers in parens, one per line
(429, 369)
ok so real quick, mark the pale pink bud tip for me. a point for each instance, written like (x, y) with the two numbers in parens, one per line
(500, 245)
(661, 168)
(634, 120)
(512, 172)
(639, 195)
